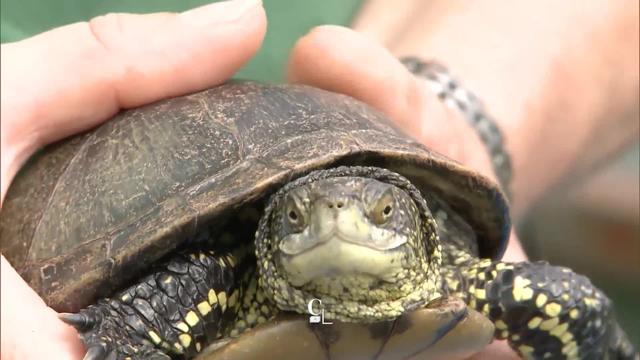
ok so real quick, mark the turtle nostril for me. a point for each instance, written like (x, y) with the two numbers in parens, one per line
(340, 204)
(330, 206)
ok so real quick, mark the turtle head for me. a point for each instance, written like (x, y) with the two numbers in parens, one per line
(358, 243)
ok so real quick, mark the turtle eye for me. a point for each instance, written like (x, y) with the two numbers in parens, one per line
(383, 209)
(293, 213)
(293, 216)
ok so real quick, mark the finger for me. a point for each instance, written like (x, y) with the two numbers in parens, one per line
(69, 79)
(25, 319)
(339, 59)
(376, 21)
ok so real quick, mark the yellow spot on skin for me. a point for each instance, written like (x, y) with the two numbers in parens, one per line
(168, 279)
(212, 297)
(485, 263)
(541, 300)
(569, 347)
(204, 308)
(185, 340)
(480, 294)
(591, 302)
(525, 350)
(501, 325)
(549, 324)
(494, 274)
(534, 323)
(178, 348)
(233, 299)
(559, 330)
(574, 313)
(566, 337)
(222, 300)
(515, 337)
(191, 318)
(485, 309)
(125, 298)
(155, 337)
(198, 347)
(182, 326)
(522, 293)
(500, 266)
(552, 309)
(453, 284)
(481, 276)
(520, 290)
(504, 334)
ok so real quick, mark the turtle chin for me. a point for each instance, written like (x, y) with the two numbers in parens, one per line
(341, 269)
(354, 282)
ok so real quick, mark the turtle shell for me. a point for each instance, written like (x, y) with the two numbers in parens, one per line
(88, 214)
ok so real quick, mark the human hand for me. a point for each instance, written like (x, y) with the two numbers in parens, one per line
(72, 78)
(341, 60)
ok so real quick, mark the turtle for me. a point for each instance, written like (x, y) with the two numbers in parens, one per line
(206, 218)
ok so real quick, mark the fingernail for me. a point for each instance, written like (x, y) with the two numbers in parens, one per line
(221, 12)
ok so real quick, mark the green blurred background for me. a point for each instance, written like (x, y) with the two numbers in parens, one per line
(288, 20)
(590, 223)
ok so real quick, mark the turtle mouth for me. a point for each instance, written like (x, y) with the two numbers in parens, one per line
(338, 257)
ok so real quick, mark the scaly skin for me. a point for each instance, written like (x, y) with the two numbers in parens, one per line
(544, 311)
(189, 302)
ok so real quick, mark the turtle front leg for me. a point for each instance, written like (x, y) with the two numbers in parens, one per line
(544, 311)
(189, 302)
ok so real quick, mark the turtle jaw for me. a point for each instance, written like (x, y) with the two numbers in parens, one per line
(338, 257)
(345, 270)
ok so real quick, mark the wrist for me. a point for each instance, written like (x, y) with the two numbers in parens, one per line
(445, 130)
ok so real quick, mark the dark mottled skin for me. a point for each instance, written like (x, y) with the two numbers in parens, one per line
(160, 302)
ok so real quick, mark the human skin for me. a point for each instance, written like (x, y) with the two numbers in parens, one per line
(116, 66)
(561, 77)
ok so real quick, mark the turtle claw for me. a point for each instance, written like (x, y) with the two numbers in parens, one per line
(106, 337)
(96, 352)
(78, 320)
